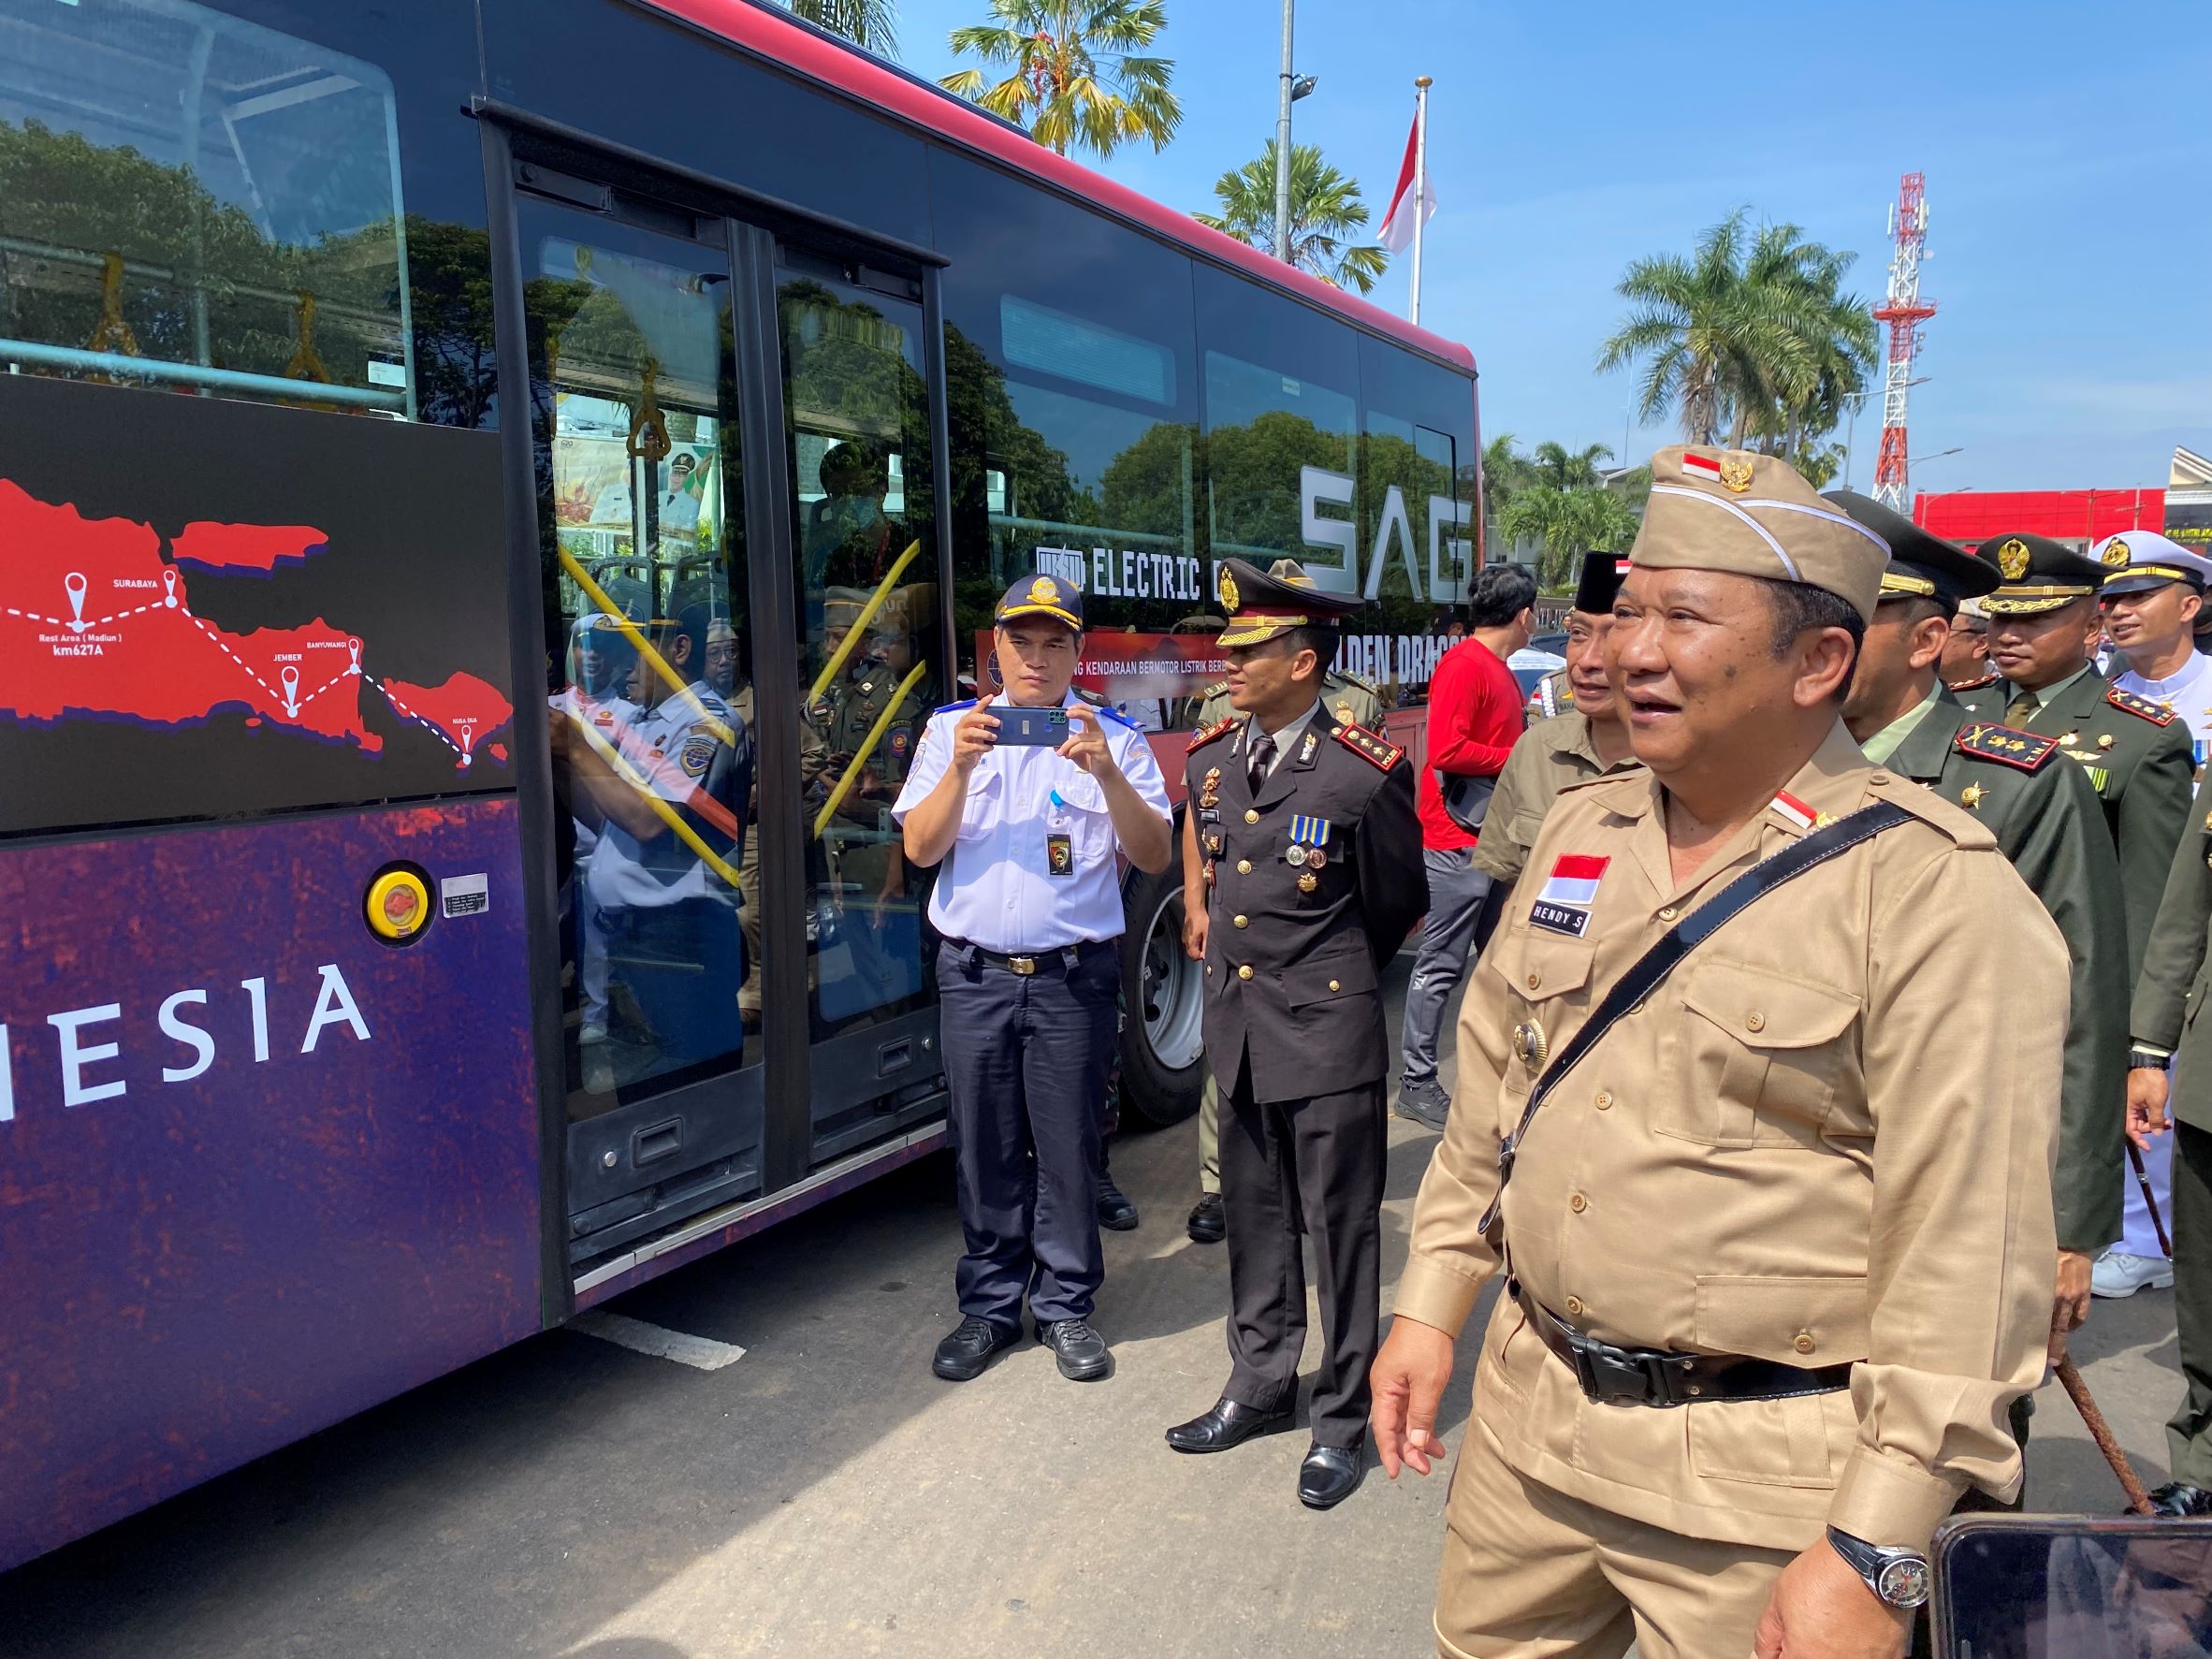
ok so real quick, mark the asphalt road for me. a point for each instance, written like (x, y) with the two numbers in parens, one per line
(827, 1496)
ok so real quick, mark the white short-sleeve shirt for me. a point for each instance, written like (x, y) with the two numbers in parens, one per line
(997, 887)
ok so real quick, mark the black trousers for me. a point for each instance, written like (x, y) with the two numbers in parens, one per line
(1025, 1058)
(1319, 1160)
(2189, 1436)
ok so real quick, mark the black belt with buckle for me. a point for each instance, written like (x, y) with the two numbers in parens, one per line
(1653, 1377)
(1066, 958)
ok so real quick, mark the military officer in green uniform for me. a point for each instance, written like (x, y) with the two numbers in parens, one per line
(2047, 820)
(2043, 623)
(1352, 701)
(2168, 1016)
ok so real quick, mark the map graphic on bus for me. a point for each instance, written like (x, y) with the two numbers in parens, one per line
(94, 625)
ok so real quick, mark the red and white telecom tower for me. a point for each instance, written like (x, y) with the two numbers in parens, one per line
(1904, 310)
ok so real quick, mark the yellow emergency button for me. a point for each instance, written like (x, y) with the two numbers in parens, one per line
(399, 905)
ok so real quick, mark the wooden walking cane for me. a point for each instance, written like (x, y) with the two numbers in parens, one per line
(2158, 1222)
(2101, 1432)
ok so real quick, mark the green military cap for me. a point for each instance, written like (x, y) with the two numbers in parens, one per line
(1921, 565)
(2038, 574)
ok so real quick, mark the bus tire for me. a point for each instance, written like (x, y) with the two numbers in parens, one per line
(1163, 1062)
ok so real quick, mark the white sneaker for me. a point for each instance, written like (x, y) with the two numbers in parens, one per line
(2118, 1274)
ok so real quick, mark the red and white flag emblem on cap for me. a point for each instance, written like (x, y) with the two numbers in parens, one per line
(1795, 812)
(1703, 465)
(1574, 880)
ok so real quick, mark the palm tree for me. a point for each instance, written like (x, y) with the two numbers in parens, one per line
(1751, 335)
(1554, 465)
(1325, 210)
(1075, 76)
(1567, 523)
(1504, 472)
(869, 24)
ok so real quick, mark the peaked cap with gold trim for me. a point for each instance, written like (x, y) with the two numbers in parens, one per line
(1755, 515)
(1921, 565)
(2037, 574)
(2141, 560)
(1261, 605)
(1042, 596)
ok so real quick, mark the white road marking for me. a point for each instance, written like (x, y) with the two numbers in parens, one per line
(699, 1352)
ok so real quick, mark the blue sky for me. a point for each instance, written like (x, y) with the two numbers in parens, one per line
(2063, 145)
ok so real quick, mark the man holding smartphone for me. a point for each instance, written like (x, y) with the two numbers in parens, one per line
(1026, 799)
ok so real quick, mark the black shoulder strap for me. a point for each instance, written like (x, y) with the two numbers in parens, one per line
(1630, 990)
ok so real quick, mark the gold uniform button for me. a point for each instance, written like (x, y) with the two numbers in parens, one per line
(1605, 1100)
(1575, 1307)
(1804, 1343)
(1243, 867)
(1755, 1020)
(1251, 815)
(1244, 972)
(1578, 1204)
(1335, 986)
(1241, 921)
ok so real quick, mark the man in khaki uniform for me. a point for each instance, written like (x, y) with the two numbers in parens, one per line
(1353, 700)
(1799, 1187)
(1584, 740)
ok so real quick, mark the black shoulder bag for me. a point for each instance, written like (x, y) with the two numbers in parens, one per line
(1654, 964)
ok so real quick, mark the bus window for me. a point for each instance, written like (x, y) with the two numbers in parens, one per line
(193, 201)
(870, 657)
(653, 717)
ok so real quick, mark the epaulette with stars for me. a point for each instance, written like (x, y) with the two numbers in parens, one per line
(1376, 752)
(1218, 729)
(1975, 685)
(2007, 745)
(2157, 714)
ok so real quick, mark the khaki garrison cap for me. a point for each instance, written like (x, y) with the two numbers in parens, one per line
(1752, 516)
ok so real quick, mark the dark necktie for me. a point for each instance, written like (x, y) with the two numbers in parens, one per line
(1260, 762)
(2021, 709)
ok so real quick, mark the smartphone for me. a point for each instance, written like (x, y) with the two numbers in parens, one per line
(1038, 728)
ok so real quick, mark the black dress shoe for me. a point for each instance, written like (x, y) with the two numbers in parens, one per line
(1331, 1474)
(1230, 1423)
(962, 1356)
(1116, 1213)
(1080, 1351)
(1209, 1221)
(2178, 1498)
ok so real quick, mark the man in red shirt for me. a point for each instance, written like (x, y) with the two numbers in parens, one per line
(1474, 717)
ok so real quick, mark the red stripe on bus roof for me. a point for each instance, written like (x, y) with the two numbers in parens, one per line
(852, 72)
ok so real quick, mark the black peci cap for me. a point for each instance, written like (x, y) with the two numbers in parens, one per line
(1602, 574)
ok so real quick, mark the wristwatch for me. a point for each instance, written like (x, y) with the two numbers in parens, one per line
(1899, 1577)
(2148, 1059)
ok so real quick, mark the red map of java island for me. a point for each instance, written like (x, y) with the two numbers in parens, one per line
(95, 624)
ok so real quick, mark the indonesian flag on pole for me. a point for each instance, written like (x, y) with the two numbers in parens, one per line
(1397, 225)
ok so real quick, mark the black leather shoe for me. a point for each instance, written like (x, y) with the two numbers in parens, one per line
(1331, 1474)
(1080, 1351)
(962, 1356)
(2179, 1498)
(1209, 1221)
(1230, 1423)
(1116, 1213)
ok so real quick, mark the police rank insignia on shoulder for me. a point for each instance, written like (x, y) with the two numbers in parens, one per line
(2157, 714)
(1218, 729)
(1975, 685)
(696, 755)
(2004, 744)
(1376, 752)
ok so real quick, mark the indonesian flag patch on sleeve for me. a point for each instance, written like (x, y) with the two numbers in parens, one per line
(1562, 904)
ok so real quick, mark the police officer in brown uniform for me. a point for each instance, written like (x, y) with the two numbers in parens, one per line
(1310, 850)
(1769, 1178)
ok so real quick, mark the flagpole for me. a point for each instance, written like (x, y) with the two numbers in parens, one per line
(1421, 182)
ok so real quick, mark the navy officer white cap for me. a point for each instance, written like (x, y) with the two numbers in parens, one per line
(2140, 560)
(996, 888)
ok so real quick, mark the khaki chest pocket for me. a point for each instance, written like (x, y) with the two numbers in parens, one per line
(1546, 980)
(1763, 1051)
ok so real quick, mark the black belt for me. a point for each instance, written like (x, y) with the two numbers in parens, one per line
(1653, 1377)
(1066, 958)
